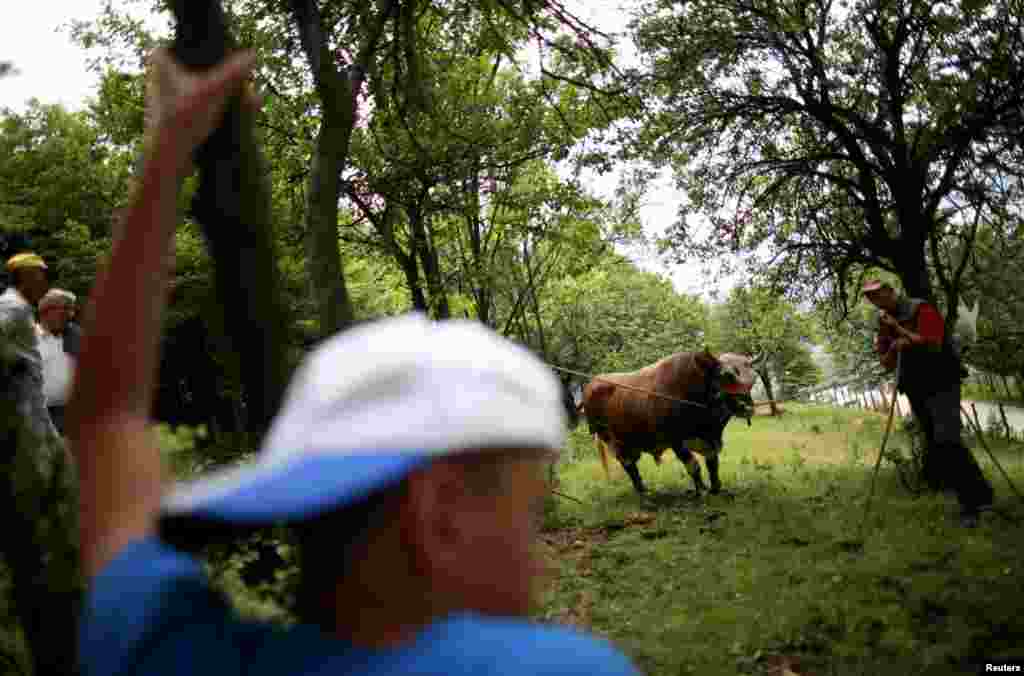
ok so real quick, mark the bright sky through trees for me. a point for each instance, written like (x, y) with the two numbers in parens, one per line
(53, 70)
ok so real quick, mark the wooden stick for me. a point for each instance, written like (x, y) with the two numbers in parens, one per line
(874, 474)
(981, 437)
(567, 497)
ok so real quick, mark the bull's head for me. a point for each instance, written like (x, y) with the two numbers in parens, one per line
(707, 360)
(737, 376)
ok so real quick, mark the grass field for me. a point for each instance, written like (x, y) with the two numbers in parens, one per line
(773, 572)
(980, 392)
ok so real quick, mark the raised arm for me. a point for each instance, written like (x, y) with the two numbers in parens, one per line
(108, 412)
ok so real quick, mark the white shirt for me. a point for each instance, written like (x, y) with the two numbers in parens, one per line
(57, 367)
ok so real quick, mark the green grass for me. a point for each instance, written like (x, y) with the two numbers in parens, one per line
(713, 585)
(980, 392)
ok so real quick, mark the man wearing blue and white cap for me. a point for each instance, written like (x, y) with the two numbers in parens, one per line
(408, 453)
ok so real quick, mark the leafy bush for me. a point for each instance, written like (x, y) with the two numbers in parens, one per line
(259, 571)
(179, 448)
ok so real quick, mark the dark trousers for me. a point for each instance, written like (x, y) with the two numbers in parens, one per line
(57, 416)
(948, 464)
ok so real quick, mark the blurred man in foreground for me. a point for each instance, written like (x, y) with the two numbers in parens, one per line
(409, 455)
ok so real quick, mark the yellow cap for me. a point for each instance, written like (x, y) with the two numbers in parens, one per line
(25, 260)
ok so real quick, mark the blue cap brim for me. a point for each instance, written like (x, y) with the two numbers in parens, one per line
(297, 491)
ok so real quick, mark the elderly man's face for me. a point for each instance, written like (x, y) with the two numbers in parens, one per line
(55, 317)
(33, 284)
(883, 298)
(494, 566)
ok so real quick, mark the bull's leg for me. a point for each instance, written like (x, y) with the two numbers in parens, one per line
(634, 475)
(692, 465)
(711, 460)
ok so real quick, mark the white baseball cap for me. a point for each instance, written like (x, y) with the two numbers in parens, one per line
(374, 403)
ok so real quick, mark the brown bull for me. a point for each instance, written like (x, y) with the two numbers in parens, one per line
(700, 395)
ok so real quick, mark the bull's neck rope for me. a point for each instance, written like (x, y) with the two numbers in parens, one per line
(630, 387)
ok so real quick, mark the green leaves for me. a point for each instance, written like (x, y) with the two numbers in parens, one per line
(616, 317)
(756, 321)
(841, 132)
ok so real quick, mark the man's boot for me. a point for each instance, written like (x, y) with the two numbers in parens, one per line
(973, 490)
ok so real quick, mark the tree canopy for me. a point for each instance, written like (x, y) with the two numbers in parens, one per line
(756, 321)
(833, 136)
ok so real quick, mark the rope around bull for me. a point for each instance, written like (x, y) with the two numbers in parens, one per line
(628, 387)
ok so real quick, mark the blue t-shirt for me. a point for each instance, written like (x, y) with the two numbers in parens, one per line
(152, 611)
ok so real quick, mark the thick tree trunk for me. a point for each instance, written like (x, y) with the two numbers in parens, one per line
(334, 307)
(233, 206)
(911, 263)
(338, 91)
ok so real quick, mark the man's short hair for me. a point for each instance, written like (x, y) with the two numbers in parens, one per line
(56, 297)
(873, 285)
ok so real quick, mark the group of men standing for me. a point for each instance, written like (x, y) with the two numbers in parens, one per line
(57, 335)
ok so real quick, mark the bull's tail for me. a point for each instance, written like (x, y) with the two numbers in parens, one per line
(601, 446)
(579, 408)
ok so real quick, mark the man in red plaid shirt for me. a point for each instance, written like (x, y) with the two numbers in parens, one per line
(928, 373)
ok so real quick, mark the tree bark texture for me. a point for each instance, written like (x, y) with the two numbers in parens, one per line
(232, 205)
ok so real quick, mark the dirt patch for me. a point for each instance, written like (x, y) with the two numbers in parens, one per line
(578, 537)
(579, 613)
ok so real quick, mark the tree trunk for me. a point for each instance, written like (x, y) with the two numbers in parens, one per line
(767, 380)
(911, 262)
(482, 292)
(423, 246)
(232, 204)
(405, 261)
(338, 92)
(327, 280)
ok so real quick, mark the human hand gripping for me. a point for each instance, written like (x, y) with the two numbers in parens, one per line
(118, 459)
(184, 107)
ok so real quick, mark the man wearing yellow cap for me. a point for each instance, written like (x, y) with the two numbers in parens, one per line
(28, 278)
(28, 283)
